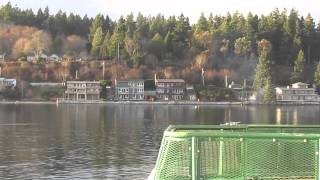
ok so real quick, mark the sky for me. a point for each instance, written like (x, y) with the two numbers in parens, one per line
(190, 8)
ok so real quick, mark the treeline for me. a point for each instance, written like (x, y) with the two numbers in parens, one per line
(213, 42)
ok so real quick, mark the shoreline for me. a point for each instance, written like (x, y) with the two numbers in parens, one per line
(238, 103)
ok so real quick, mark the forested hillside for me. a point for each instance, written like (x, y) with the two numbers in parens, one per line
(221, 44)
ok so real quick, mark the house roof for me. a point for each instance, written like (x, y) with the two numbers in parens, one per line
(170, 80)
(97, 82)
(300, 83)
(191, 91)
(128, 80)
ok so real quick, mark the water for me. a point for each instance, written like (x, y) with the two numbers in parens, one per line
(110, 141)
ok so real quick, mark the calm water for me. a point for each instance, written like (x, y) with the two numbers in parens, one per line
(110, 141)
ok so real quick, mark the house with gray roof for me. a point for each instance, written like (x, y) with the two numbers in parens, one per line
(129, 90)
(170, 89)
(297, 92)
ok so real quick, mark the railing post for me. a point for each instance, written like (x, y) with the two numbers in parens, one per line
(221, 150)
(318, 159)
(195, 159)
(243, 158)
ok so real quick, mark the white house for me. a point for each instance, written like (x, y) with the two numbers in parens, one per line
(43, 56)
(7, 83)
(54, 57)
(30, 58)
(2, 56)
(297, 92)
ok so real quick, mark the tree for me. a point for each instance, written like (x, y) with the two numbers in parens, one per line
(73, 45)
(21, 47)
(96, 43)
(117, 39)
(309, 25)
(98, 22)
(134, 48)
(203, 40)
(156, 46)
(103, 85)
(202, 24)
(298, 68)
(262, 71)
(317, 75)
(104, 53)
(242, 47)
(6, 13)
(268, 92)
(41, 41)
(263, 80)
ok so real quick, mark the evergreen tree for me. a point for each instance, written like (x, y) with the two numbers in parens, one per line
(98, 22)
(97, 42)
(263, 80)
(317, 75)
(268, 92)
(242, 47)
(298, 68)
(118, 38)
(262, 71)
(309, 25)
(156, 46)
(130, 25)
(202, 24)
(104, 53)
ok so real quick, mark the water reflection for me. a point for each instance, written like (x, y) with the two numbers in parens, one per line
(110, 141)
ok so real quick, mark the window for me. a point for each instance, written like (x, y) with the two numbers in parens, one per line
(140, 83)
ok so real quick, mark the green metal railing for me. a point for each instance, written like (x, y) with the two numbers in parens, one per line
(244, 152)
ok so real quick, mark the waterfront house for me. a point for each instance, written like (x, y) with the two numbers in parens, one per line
(191, 93)
(242, 93)
(109, 93)
(7, 83)
(31, 58)
(54, 57)
(297, 92)
(2, 57)
(82, 91)
(170, 89)
(129, 90)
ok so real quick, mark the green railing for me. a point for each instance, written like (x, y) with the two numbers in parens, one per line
(246, 152)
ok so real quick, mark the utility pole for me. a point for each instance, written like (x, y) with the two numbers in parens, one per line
(22, 90)
(118, 58)
(103, 70)
(118, 52)
(202, 76)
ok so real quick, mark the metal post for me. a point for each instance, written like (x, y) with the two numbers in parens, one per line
(221, 150)
(195, 158)
(243, 158)
(318, 158)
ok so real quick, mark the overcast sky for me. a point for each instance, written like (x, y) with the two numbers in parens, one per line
(190, 8)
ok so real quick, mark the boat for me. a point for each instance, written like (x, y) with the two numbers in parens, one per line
(239, 152)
